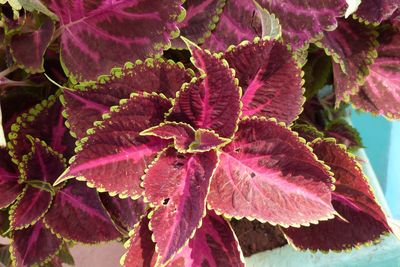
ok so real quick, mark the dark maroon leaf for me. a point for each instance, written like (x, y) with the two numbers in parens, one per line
(45, 122)
(78, 215)
(239, 21)
(376, 10)
(381, 92)
(211, 101)
(353, 199)
(304, 20)
(125, 213)
(34, 245)
(201, 19)
(92, 100)
(10, 188)
(353, 47)
(177, 184)
(98, 35)
(36, 43)
(270, 78)
(344, 133)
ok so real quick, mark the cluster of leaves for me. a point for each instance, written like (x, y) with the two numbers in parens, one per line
(163, 154)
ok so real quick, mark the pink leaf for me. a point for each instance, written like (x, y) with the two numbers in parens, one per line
(177, 184)
(115, 156)
(214, 245)
(141, 248)
(267, 173)
(270, 79)
(353, 199)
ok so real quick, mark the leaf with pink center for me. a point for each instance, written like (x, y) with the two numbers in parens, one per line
(304, 20)
(377, 10)
(44, 121)
(354, 201)
(186, 139)
(211, 101)
(268, 174)
(353, 47)
(96, 36)
(125, 213)
(91, 101)
(201, 18)
(34, 245)
(114, 156)
(141, 248)
(10, 188)
(177, 184)
(36, 43)
(270, 78)
(39, 170)
(214, 245)
(239, 21)
(381, 92)
(78, 215)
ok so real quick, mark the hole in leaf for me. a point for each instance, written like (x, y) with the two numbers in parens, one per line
(252, 175)
(165, 201)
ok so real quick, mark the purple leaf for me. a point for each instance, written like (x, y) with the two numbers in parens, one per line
(41, 167)
(10, 189)
(30, 207)
(238, 22)
(303, 20)
(270, 79)
(376, 10)
(149, 76)
(213, 245)
(211, 101)
(207, 140)
(353, 199)
(97, 36)
(36, 43)
(34, 245)
(177, 184)
(78, 215)
(344, 133)
(115, 156)
(267, 173)
(44, 121)
(352, 46)
(381, 92)
(181, 133)
(125, 213)
(141, 248)
(201, 18)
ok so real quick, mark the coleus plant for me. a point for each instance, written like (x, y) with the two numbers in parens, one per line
(176, 151)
